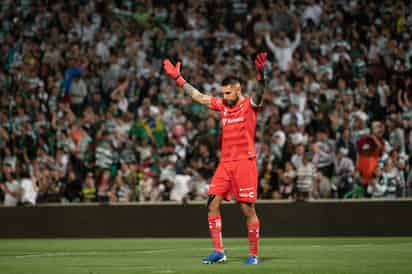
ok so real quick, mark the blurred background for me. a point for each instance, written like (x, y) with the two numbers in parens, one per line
(87, 115)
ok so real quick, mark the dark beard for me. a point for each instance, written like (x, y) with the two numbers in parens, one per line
(230, 103)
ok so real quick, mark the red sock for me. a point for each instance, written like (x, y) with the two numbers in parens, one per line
(215, 227)
(253, 236)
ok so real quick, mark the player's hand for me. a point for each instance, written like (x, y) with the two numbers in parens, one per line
(260, 63)
(173, 72)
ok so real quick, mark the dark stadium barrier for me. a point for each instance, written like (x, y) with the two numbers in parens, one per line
(320, 218)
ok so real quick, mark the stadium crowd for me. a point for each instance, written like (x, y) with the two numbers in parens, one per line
(86, 113)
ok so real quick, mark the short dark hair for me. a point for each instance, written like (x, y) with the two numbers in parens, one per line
(230, 80)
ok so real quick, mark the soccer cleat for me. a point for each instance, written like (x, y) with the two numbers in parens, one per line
(252, 260)
(215, 257)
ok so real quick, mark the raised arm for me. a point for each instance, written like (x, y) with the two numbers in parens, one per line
(174, 73)
(119, 92)
(257, 97)
(296, 43)
(270, 44)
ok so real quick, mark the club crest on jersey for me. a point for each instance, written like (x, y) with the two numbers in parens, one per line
(232, 120)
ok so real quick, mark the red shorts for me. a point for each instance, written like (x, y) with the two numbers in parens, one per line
(239, 178)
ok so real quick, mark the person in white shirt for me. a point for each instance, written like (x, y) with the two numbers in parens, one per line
(282, 50)
(180, 187)
(312, 12)
(29, 189)
(11, 188)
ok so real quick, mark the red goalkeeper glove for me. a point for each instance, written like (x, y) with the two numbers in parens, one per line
(260, 63)
(173, 72)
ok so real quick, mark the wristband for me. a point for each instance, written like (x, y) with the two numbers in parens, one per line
(180, 81)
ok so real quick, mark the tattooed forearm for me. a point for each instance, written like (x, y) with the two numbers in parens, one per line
(196, 95)
(189, 89)
(257, 97)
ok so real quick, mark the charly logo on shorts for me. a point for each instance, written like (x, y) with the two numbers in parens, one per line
(246, 193)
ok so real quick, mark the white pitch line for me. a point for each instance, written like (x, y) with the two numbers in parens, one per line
(93, 253)
(155, 251)
(57, 254)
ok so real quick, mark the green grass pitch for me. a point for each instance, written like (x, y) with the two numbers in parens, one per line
(168, 256)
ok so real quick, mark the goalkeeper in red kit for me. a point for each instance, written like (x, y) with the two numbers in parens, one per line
(237, 171)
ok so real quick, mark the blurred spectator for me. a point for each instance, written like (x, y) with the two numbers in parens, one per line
(103, 186)
(72, 187)
(198, 187)
(283, 49)
(28, 189)
(89, 188)
(288, 180)
(370, 148)
(180, 188)
(344, 168)
(378, 186)
(11, 187)
(121, 191)
(345, 143)
(306, 179)
(326, 152)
